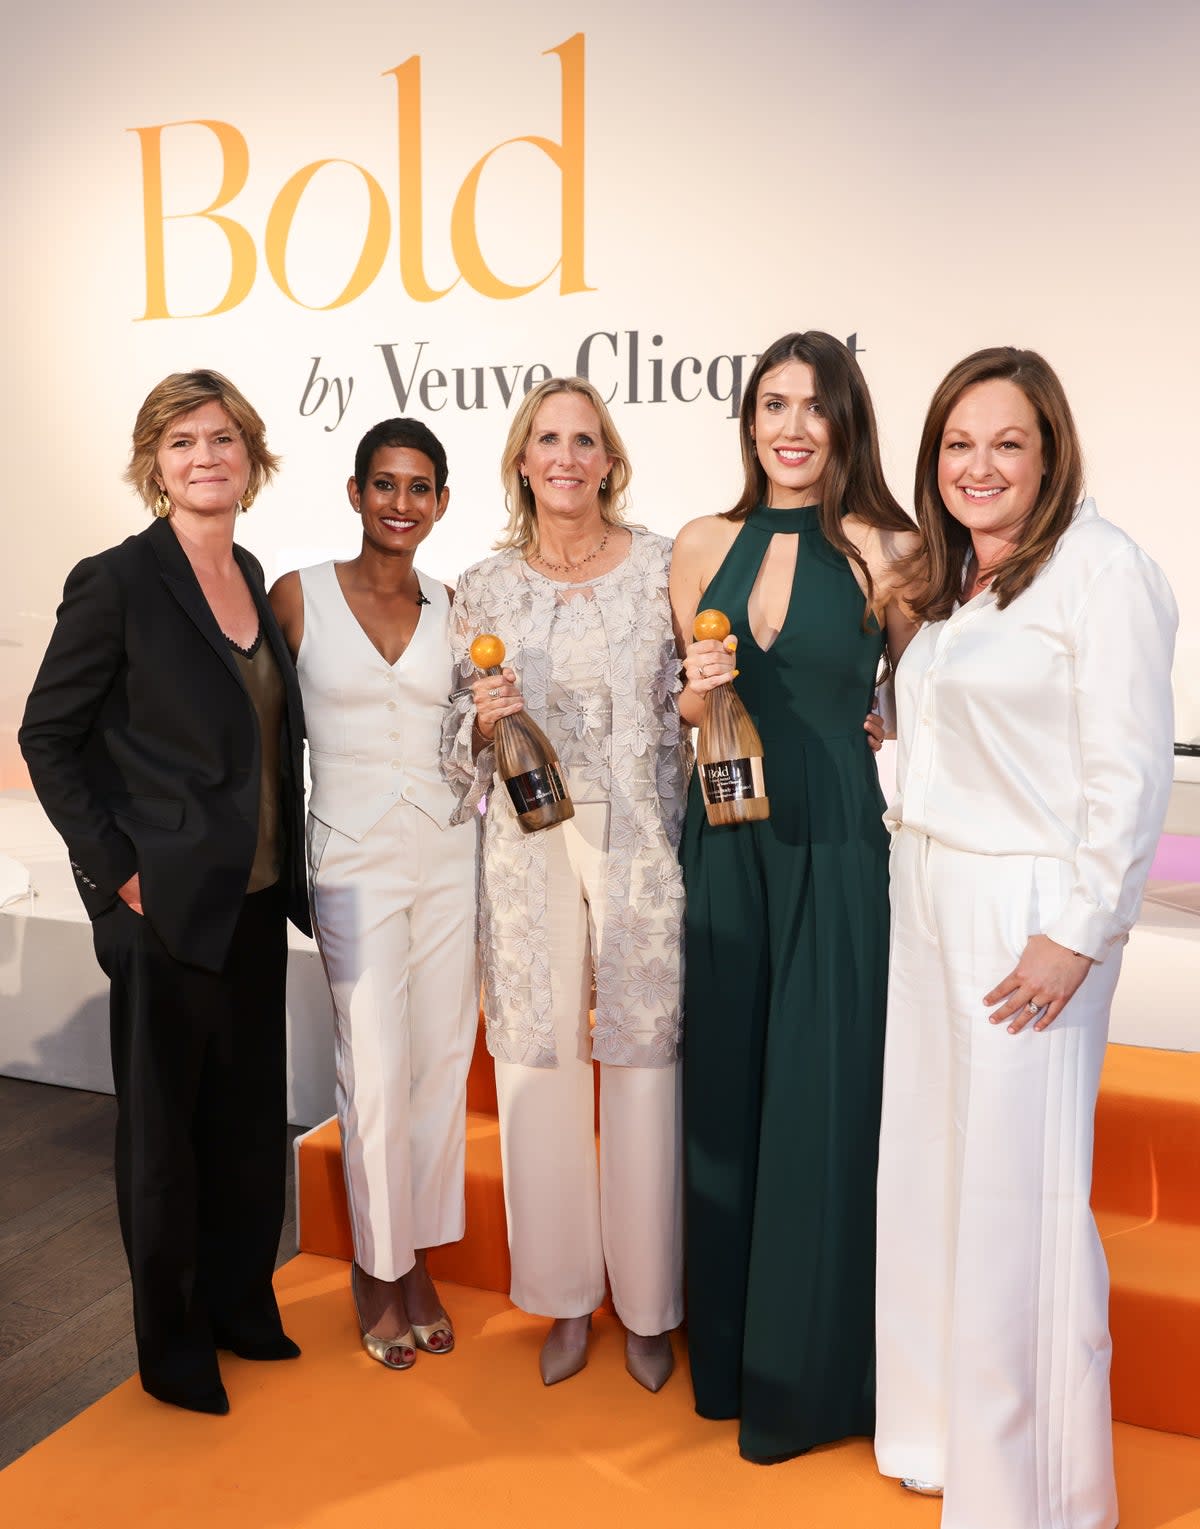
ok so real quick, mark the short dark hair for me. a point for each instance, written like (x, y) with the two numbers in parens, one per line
(400, 432)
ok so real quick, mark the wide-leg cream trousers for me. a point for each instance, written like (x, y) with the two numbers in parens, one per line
(394, 916)
(569, 1218)
(992, 1309)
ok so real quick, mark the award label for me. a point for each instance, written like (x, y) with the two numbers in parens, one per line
(536, 788)
(732, 780)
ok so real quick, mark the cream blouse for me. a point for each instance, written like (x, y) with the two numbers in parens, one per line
(1046, 728)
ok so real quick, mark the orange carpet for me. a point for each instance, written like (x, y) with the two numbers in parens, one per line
(1146, 1195)
(334, 1441)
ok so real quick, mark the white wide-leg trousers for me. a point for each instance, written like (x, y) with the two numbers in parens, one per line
(569, 1218)
(394, 915)
(992, 1310)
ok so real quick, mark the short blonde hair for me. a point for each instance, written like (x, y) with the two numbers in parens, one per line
(179, 394)
(521, 530)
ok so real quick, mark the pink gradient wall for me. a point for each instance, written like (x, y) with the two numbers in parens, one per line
(674, 188)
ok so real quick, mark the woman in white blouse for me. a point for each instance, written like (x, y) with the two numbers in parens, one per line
(588, 911)
(1034, 764)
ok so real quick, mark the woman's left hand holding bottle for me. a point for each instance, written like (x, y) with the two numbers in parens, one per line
(710, 663)
(496, 696)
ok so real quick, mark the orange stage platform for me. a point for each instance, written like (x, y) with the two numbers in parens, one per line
(334, 1441)
(1146, 1195)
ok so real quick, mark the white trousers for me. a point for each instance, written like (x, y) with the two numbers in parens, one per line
(992, 1310)
(394, 916)
(569, 1218)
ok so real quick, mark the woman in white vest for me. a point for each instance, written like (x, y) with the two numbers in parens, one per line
(392, 883)
(1034, 763)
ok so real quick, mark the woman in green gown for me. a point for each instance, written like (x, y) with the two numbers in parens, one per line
(787, 919)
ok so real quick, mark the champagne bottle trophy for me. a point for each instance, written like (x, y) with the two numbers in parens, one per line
(729, 752)
(525, 758)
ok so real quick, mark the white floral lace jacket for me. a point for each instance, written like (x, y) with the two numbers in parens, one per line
(639, 768)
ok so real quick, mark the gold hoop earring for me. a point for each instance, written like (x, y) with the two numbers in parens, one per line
(162, 505)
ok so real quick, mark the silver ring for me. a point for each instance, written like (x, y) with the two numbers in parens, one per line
(1034, 1007)
(493, 694)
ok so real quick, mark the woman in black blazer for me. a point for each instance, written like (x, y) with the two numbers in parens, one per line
(163, 736)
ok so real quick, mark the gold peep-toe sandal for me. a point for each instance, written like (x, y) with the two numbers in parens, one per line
(423, 1331)
(382, 1349)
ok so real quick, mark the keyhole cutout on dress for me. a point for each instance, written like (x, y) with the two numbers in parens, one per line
(771, 595)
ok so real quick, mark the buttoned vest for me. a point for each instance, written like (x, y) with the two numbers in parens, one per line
(374, 728)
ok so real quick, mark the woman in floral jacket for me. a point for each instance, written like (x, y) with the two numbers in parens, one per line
(587, 913)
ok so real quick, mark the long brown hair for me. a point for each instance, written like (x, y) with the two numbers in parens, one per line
(946, 543)
(854, 483)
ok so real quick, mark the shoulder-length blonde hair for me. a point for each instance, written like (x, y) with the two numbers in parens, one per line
(179, 394)
(945, 541)
(521, 531)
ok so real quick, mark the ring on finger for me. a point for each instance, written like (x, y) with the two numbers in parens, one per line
(493, 693)
(1034, 1007)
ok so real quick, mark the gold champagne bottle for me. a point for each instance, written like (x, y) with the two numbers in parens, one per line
(729, 752)
(525, 758)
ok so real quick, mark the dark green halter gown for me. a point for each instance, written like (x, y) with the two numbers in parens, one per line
(786, 942)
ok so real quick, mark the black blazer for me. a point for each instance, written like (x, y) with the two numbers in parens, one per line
(143, 747)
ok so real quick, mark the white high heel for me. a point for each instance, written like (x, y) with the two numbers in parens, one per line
(559, 1363)
(921, 1488)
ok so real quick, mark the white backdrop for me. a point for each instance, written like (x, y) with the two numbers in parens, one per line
(929, 178)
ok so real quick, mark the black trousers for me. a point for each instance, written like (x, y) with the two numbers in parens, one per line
(199, 1064)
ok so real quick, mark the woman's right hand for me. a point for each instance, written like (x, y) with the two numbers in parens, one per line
(710, 663)
(496, 696)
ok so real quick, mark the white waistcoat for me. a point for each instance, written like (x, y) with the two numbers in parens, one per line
(374, 728)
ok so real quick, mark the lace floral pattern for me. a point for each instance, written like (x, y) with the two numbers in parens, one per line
(579, 698)
(599, 672)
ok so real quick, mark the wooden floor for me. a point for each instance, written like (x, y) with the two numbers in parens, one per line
(66, 1326)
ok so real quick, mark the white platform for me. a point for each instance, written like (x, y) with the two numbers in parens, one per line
(54, 997)
(1183, 810)
(54, 1000)
(1157, 1002)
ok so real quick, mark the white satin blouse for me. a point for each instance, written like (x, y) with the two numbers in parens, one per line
(1046, 728)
